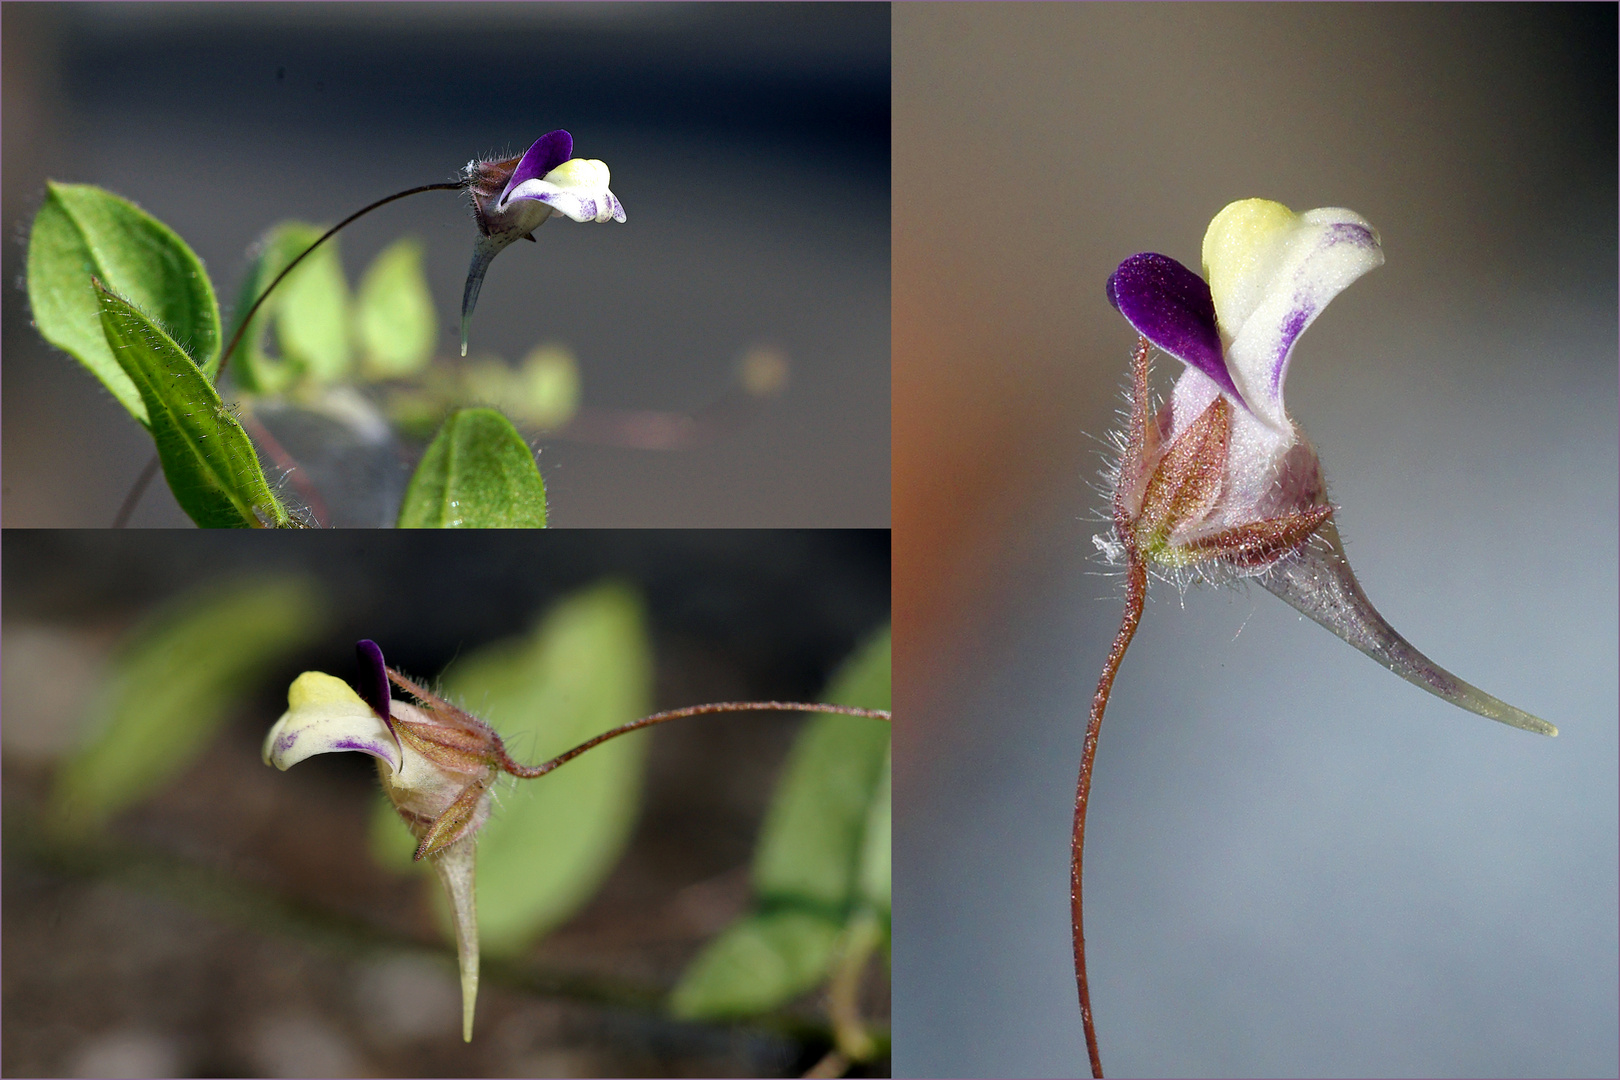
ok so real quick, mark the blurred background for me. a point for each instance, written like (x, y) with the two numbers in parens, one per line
(1298, 864)
(232, 922)
(749, 144)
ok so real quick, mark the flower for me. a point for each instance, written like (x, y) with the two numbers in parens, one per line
(437, 766)
(514, 197)
(1221, 480)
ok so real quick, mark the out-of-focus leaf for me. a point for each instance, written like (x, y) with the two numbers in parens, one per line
(756, 964)
(543, 392)
(810, 846)
(176, 678)
(394, 315)
(546, 389)
(873, 885)
(82, 232)
(478, 473)
(254, 369)
(485, 379)
(551, 841)
(822, 857)
(207, 459)
(309, 310)
(312, 314)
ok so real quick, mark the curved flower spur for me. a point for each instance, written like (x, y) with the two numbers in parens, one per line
(438, 766)
(1219, 484)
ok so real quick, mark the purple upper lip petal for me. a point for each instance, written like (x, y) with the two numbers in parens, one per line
(1172, 307)
(374, 679)
(548, 151)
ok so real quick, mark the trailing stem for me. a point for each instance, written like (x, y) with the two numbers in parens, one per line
(529, 772)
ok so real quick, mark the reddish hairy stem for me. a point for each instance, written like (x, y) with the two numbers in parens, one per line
(1135, 593)
(121, 519)
(529, 772)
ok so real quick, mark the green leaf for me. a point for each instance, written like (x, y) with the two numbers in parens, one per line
(310, 312)
(312, 315)
(82, 232)
(207, 458)
(177, 677)
(822, 861)
(810, 847)
(874, 881)
(478, 473)
(256, 370)
(756, 964)
(394, 315)
(545, 392)
(551, 842)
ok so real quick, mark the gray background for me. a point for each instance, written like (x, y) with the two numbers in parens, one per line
(748, 143)
(1298, 864)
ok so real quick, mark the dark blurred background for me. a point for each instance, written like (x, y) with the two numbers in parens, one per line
(749, 144)
(1298, 864)
(114, 967)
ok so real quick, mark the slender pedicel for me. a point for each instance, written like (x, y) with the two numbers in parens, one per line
(327, 235)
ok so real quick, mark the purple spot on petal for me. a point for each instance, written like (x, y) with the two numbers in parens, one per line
(1292, 327)
(1347, 232)
(362, 745)
(285, 740)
